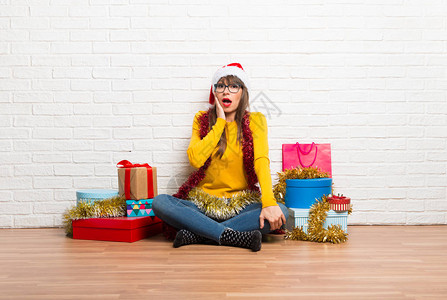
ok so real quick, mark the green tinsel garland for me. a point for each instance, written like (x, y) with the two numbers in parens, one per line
(110, 207)
(222, 208)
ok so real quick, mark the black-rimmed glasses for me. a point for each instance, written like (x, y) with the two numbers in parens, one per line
(233, 88)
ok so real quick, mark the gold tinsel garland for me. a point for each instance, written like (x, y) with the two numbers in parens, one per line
(106, 208)
(279, 189)
(317, 212)
(315, 230)
(221, 208)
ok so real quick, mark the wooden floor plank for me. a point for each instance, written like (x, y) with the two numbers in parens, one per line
(377, 262)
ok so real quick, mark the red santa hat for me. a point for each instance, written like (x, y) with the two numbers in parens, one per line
(230, 69)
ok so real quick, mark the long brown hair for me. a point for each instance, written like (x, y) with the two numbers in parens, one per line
(240, 111)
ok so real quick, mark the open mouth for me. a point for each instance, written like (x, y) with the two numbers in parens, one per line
(226, 102)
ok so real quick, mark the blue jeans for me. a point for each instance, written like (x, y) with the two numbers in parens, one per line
(184, 214)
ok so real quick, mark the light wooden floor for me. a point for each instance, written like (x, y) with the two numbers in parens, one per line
(378, 262)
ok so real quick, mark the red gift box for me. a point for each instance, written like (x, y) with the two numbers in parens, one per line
(339, 203)
(120, 229)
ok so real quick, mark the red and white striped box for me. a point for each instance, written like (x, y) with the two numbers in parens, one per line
(339, 203)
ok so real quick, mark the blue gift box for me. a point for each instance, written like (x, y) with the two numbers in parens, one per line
(93, 195)
(302, 193)
(300, 217)
(139, 208)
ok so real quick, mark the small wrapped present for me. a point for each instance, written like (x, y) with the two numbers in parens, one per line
(139, 208)
(339, 203)
(137, 181)
(121, 229)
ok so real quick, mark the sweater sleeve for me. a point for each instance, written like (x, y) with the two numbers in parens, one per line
(199, 150)
(259, 128)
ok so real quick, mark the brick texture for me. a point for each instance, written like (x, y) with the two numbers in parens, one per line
(85, 84)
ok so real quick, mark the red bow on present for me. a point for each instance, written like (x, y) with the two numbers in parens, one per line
(128, 165)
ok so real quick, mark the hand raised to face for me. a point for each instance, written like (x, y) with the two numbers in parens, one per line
(219, 110)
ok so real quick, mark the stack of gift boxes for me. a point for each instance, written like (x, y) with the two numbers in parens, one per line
(301, 194)
(138, 184)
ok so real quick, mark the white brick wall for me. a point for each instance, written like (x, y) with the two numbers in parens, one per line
(84, 84)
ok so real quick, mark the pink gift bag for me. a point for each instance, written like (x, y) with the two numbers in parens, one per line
(307, 155)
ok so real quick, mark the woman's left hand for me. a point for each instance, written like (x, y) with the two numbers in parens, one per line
(274, 215)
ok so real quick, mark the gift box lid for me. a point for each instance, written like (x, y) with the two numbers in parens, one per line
(343, 200)
(303, 212)
(117, 223)
(96, 194)
(143, 201)
(309, 183)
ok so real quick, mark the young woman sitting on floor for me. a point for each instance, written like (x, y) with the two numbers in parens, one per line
(220, 202)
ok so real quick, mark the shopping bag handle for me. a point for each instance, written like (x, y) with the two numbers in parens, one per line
(299, 150)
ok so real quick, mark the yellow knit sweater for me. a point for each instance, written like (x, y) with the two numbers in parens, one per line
(226, 176)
